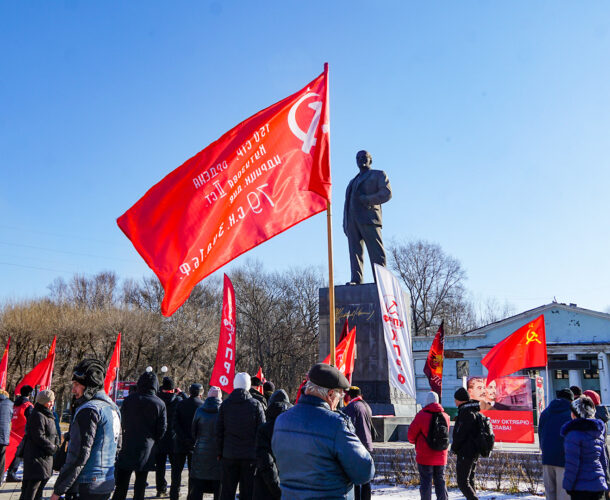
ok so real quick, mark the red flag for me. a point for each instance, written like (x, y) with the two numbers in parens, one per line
(4, 365)
(345, 331)
(262, 378)
(42, 373)
(526, 348)
(434, 364)
(344, 355)
(112, 375)
(267, 174)
(224, 367)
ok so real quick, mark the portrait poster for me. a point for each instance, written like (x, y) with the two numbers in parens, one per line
(507, 401)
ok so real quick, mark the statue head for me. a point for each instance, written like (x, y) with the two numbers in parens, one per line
(364, 160)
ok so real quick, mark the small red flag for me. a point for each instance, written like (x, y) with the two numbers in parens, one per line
(112, 375)
(224, 367)
(267, 174)
(344, 355)
(4, 366)
(526, 348)
(42, 373)
(434, 363)
(262, 378)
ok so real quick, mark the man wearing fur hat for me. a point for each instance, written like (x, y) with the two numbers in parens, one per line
(95, 434)
(238, 419)
(316, 449)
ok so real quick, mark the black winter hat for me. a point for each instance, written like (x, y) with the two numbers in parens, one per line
(255, 381)
(461, 395)
(195, 389)
(167, 384)
(148, 381)
(269, 386)
(90, 372)
(565, 394)
(25, 390)
(328, 376)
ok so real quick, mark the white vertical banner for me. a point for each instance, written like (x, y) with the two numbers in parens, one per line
(395, 314)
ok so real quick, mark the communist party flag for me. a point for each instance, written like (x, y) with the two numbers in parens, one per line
(434, 363)
(262, 177)
(112, 375)
(526, 348)
(224, 367)
(42, 373)
(4, 365)
(344, 355)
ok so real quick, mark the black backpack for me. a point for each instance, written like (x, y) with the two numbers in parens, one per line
(438, 432)
(485, 438)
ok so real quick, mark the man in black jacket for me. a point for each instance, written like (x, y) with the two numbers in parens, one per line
(165, 447)
(255, 385)
(238, 420)
(144, 422)
(184, 443)
(465, 432)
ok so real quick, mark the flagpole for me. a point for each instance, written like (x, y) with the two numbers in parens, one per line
(331, 286)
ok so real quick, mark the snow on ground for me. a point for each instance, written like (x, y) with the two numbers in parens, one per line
(383, 491)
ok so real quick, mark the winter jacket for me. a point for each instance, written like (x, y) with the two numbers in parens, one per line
(418, 430)
(465, 430)
(238, 419)
(361, 416)
(41, 443)
(266, 480)
(171, 401)
(144, 422)
(184, 442)
(586, 461)
(95, 436)
(22, 409)
(259, 397)
(205, 464)
(6, 416)
(551, 421)
(318, 454)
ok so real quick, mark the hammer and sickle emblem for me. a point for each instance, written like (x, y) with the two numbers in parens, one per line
(308, 137)
(532, 336)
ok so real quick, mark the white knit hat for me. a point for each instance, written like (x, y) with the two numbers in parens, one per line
(431, 397)
(214, 392)
(242, 381)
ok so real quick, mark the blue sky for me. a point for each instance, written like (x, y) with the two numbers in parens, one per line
(490, 118)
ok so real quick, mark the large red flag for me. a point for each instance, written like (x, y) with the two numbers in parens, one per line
(224, 367)
(434, 363)
(262, 177)
(344, 355)
(42, 373)
(112, 375)
(4, 366)
(526, 348)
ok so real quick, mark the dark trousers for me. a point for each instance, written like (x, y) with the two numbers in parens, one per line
(160, 463)
(587, 495)
(122, 478)
(197, 487)
(236, 472)
(357, 236)
(31, 489)
(362, 491)
(2, 460)
(429, 474)
(465, 469)
(177, 467)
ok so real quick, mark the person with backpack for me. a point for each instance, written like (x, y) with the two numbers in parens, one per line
(429, 432)
(466, 436)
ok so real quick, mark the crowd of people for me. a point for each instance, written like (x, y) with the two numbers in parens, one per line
(256, 441)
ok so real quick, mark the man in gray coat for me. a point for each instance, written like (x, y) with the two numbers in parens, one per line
(362, 215)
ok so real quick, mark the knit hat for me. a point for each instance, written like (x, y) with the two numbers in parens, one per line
(431, 397)
(242, 381)
(594, 397)
(269, 386)
(167, 384)
(148, 381)
(461, 394)
(255, 382)
(90, 373)
(565, 394)
(44, 397)
(195, 389)
(214, 392)
(583, 407)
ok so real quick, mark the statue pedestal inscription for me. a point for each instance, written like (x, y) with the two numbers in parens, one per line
(360, 305)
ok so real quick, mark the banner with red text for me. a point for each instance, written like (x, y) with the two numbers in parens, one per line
(395, 314)
(224, 367)
(265, 175)
(507, 401)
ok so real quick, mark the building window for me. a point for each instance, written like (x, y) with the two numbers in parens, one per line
(462, 369)
(561, 374)
(593, 372)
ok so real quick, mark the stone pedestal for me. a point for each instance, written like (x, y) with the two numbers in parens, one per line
(360, 305)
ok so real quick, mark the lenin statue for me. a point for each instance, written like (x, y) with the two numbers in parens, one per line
(362, 215)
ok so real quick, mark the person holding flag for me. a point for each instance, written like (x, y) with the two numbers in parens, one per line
(22, 410)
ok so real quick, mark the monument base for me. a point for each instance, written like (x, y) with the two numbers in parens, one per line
(391, 428)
